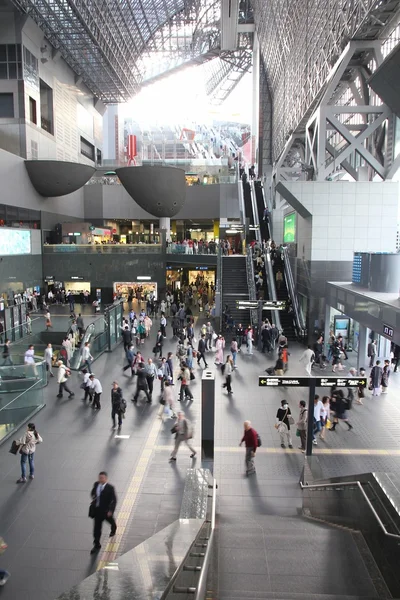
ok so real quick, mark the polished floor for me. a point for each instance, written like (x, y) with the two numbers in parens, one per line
(45, 520)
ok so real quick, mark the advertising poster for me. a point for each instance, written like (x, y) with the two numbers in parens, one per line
(289, 228)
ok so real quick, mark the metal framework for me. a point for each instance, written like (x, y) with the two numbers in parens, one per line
(225, 72)
(300, 43)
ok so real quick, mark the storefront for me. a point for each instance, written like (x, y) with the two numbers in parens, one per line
(134, 289)
(77, 286)
(101, 235)
(202, 275)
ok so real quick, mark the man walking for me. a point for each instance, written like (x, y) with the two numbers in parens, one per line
(250, 440)
(62, 377)
(126, 337)
(274, 334)
(48, 357)
(151, 374)
(183, 433)
(201, 348)
(159, 344)
(97, 391)
(209, 336)
(87, 358)
(371, 350)
(307, 358)
(141, 385)
(104, 502)
(80, 325)
(118, 404)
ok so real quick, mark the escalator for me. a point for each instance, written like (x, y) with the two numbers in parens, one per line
(260, 200)
(248, 207)
(286, 316)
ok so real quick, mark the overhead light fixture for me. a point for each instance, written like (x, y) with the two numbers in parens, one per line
(143, 278)
(231, 231)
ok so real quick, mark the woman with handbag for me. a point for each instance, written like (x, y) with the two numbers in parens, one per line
(27, 447)
(283, 421)
(302, 425)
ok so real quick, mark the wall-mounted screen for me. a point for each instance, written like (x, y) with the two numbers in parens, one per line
(14, 242)
(289, 228)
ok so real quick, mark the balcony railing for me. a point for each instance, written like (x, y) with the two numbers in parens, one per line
(102, 248)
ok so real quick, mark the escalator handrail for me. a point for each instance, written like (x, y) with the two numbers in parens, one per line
(271, 286)
(300, 322)
(242, 209)
(201, 589)
(251, 284)
(360, 487)
(267, 205)
(256, 219)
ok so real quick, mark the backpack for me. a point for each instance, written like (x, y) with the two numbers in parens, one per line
(259, 443)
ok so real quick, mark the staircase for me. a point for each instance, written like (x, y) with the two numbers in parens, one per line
(291, 558)
(234, 287)
(283, 294)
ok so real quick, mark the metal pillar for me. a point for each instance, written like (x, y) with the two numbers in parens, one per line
(362, 359)
(165, 224)
(207, 419)
(310, 421)
(256, 101)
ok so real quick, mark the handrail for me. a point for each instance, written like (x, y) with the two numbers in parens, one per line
(271, 286)
(201, 589)
(251, 284)
(301, 325)
(358, 484)
(256, 218)
(267, 204)
(241, 200)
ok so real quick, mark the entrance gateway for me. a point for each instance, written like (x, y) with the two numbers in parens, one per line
(312, 383)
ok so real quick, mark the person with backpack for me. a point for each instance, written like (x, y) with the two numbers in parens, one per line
(118, 405)
(27, 447)
(250, 439)
(183, 431)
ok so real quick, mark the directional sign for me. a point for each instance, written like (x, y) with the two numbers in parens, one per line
(286, 381)
(305, 381)
(266, 304)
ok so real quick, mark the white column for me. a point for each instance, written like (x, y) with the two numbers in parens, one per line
(363, 341)
(165, 223)
(255, 134)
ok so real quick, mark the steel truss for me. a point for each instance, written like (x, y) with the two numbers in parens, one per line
(225, 72)
(300, 42)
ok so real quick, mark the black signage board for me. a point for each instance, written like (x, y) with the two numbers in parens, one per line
(387, 330)
(306, 381)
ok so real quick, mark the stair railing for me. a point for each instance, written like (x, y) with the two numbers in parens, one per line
(251, 284)
(256, 219)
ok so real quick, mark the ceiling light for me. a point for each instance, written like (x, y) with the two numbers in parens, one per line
(143, 278)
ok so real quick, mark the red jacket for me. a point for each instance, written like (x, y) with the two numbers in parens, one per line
(250, 439)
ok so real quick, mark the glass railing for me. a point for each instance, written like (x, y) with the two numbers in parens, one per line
(15, 376)
(177, 248)
(298, 312)
(17, 408)
(102, 248)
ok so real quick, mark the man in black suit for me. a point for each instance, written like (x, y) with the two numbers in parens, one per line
(105, 501)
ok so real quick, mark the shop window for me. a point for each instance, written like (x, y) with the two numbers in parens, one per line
(6, 106)
(32, 111)
(46, 107)
(87, 149)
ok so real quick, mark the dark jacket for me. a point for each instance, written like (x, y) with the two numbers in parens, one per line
(116, 398)
(376, 376)
(201, 346)
(159, 339)
(127, 336)
(108, 498)
(141, 378)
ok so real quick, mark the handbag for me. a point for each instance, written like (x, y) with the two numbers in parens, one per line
(92, 509)
(174, 429)
(297, 432)
(83, 385)
(14, 447)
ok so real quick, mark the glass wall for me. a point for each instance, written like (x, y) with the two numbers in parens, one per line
(18, 407)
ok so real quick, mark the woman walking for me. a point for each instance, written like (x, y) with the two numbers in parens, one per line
(283, 420)
(220, 345)
(339, 406)
(27, 447)
(234, 351)
(376, 378)
(325, 414)
(228, 368)
(385, 376)
(302, 424)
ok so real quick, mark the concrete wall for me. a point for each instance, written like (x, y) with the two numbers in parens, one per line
(349, 217)
(103, 270)
(202, 202)
(17, 190)
(20, 272)
(74, 112)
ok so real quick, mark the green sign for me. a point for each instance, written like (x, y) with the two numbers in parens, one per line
(289, 228)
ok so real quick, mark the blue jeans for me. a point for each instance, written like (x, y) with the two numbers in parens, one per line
(234, 358)
(24, 458)
(87, 364)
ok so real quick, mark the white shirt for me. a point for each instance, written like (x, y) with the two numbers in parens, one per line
(100, 488)
(29, 360)
(48, 354)
(318, 409)
(86, 380)
(96, 386)
(307, 356)
(86, 353)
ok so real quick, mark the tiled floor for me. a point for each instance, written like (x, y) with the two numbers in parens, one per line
(45, 521)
